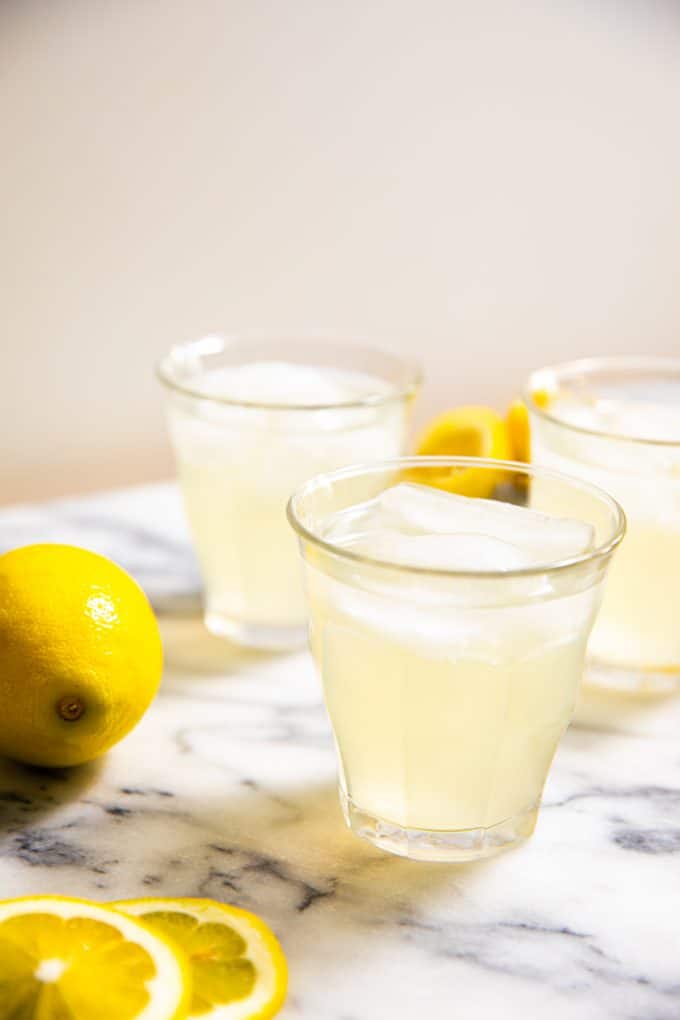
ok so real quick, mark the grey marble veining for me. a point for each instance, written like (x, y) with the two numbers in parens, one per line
(143, 529)
(227, 789)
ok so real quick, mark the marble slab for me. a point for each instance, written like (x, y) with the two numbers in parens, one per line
(227, 789)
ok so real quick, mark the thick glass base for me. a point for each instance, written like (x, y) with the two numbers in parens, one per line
(255, 635)
(455, 846)
(634, 681)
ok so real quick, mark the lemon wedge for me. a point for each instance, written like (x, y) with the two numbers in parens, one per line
(466, 432)
(519, 433)
(66, 959)
(238, 967)
(543, 397)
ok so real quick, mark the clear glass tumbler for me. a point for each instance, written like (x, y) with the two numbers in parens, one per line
(616, 422)
(448, 691)
(240, 457)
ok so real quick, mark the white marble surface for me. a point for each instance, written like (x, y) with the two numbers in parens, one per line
(227, 789)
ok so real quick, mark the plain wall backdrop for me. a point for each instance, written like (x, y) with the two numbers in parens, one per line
(490, 184)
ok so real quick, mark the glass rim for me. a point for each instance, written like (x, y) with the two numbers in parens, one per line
(603, 550)
(213, 343)
(590, 366)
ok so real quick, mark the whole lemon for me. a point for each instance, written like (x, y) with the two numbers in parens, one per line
(80, 654)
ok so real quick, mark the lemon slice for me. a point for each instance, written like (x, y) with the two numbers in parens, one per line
(465, 432)
(64, 959)
(239, 970)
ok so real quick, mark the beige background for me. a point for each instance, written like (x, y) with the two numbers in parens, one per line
(489, 183)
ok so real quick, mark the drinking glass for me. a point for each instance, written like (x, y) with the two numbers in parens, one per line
(239, 459)
(448, 690)
(616, 422)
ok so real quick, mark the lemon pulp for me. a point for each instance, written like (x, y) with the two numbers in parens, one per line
(42, 964)
(238, 968)
(64, 959)
(215, 951)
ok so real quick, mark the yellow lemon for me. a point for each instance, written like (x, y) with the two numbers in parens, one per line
(80, 654)
(465, 432)
(62, 958)
(239, 971)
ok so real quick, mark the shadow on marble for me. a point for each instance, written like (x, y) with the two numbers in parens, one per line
(28, 793)
(191, 649)
(300, 840)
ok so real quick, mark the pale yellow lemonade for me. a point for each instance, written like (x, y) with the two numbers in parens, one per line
(630, 447)
(448, 695)
(239, 462)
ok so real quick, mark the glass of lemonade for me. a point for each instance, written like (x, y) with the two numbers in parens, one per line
(616, 423)
(250, 419)
(450, 635)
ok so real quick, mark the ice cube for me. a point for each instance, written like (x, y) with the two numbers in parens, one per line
(285, 383)
(422, 510)
(446, 552)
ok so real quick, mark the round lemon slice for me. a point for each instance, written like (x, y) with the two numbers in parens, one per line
(466, 432)
(65, 959)
(238, 967)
